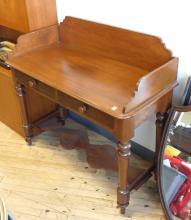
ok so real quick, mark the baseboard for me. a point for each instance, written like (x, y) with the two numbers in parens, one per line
(142, 151)
(138, 149)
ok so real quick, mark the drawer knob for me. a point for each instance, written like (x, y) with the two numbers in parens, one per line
(32, 83)
(82, 109)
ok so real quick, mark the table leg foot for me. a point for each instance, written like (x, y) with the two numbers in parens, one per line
(123, 200)
(28, 140)
(122, 210)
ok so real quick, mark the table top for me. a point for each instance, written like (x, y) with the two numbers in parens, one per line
(96, 80)
(117, 71)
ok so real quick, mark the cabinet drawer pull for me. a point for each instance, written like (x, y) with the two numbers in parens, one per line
(32, 83)
(82, 109)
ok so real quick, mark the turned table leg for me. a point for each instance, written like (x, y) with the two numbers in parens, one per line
(26, 124)
(123, 193)
(160, 122)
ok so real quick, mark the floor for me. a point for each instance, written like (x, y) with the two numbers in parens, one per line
(47, 182)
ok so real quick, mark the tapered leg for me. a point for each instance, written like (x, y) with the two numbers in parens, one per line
(62, 114)
(26, 124)
(123, 193)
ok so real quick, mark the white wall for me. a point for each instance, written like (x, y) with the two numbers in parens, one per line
(168, 19)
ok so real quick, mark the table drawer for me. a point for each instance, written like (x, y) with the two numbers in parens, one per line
(36, 85)
(85, 110)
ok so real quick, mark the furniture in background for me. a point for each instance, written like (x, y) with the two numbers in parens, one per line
(27, 15)
(18, 17)
(113, 77)
(174, 174)
(174, 161)
(186, 100)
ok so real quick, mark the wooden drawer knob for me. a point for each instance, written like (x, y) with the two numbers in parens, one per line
(32, 83)
(82, 109)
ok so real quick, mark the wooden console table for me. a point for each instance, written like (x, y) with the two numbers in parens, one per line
(115, 78)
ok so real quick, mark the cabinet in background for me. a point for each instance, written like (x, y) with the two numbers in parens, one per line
(18, 17)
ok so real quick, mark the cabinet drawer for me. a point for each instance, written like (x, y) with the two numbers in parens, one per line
(67, 101)
(35, 84)
(85, 110)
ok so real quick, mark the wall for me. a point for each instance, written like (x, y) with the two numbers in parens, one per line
(167, 19)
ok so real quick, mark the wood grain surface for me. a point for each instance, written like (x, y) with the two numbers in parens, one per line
(137, 49)
(46, 182)
(112, 69)
(17, 18)
(27, 15)
(114, 77)
(91, 78)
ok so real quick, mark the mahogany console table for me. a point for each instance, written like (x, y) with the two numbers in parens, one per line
(115, 78)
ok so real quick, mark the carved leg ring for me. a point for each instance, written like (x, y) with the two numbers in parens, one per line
(123, 192)
(26, 125)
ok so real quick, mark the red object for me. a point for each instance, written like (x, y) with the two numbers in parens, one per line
(179, 205)
(165, 157)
